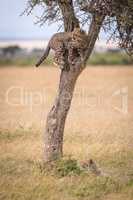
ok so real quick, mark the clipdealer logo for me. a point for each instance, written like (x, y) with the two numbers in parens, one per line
(19, 96)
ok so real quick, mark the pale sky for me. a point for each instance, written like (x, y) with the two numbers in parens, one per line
(13, 26)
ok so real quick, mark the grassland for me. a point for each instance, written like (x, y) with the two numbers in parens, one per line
(99, 126)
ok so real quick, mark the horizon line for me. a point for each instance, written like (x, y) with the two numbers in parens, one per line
(22, 38)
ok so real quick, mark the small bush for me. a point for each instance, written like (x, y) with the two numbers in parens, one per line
(67, 167)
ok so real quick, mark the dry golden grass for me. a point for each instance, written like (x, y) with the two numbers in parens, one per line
(98, 126)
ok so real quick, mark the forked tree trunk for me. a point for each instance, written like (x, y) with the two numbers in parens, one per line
(53, 138)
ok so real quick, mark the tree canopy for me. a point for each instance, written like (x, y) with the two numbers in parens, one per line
(118, 16)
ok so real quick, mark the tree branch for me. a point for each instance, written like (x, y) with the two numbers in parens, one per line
(69, 18)
(93, 33)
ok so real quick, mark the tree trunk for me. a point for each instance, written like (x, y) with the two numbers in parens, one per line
(53, 147)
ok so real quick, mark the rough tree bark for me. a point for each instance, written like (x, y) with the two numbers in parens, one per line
(53, 137)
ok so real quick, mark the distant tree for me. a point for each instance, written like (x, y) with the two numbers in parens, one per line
(113, 16)
(10, 50)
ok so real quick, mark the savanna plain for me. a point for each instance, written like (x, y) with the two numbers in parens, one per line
(99, 126)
